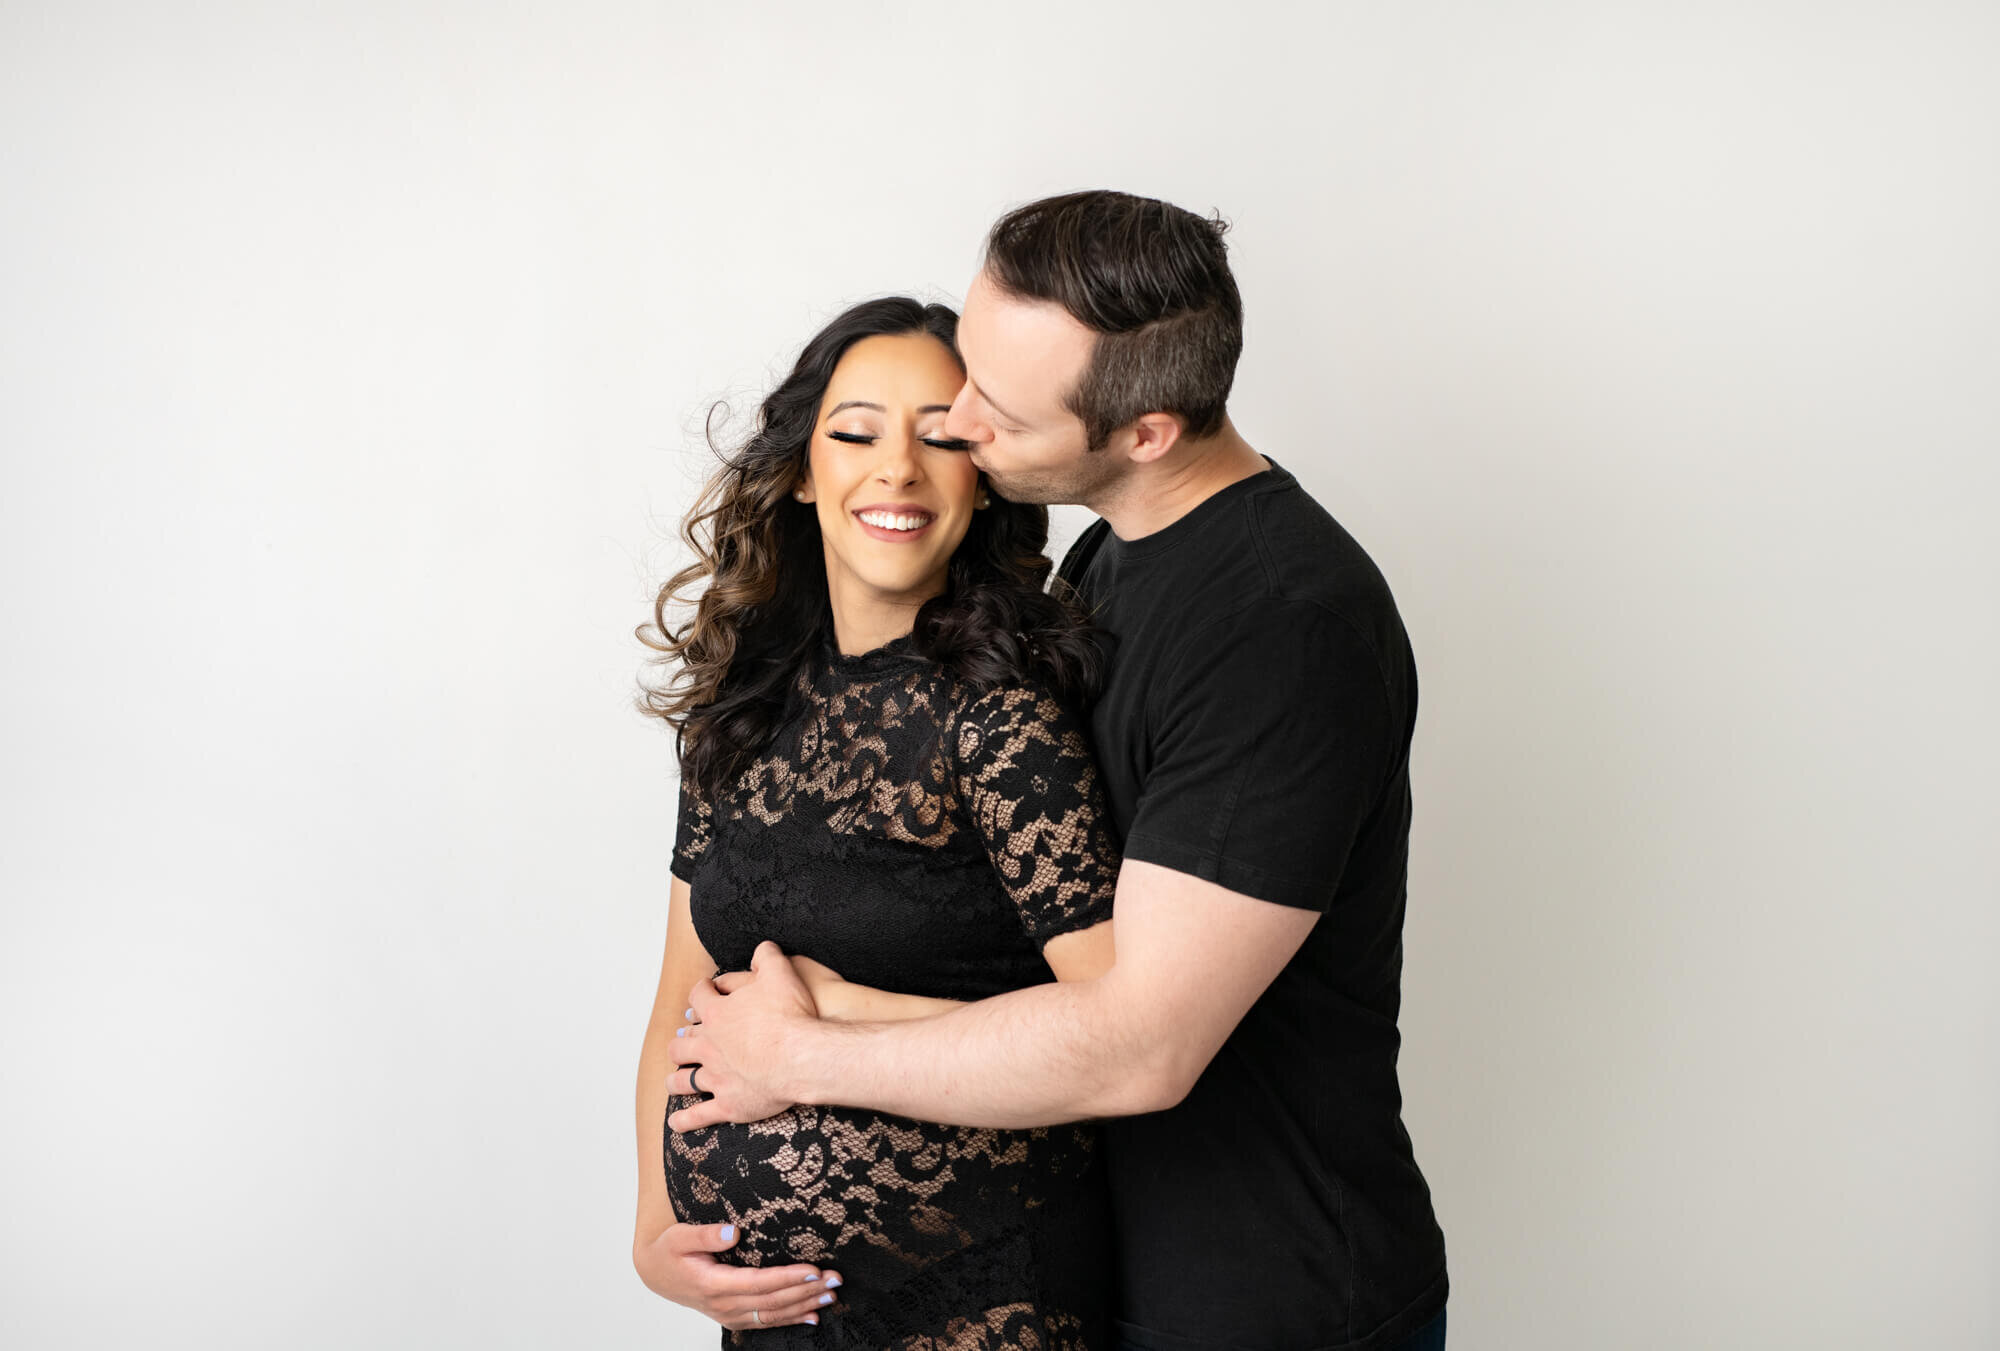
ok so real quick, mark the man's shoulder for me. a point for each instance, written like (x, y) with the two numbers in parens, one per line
(1307, 554)
(1280, 588)
(1267, 552)
(1081, 551)
(1278, 554)
(1279, 642)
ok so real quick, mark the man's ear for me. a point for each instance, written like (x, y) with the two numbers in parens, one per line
(1153, 435)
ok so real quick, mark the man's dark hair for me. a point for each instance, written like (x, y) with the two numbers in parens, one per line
(1152, 281)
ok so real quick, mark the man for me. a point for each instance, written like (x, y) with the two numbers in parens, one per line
(1254, 740)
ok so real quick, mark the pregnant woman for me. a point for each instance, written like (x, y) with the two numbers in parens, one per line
(882, 769)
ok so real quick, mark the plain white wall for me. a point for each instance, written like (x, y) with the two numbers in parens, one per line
(349, 356)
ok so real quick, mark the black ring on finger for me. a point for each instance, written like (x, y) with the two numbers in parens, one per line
(692, 1071)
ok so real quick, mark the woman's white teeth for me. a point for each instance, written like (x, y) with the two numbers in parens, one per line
(889, 520)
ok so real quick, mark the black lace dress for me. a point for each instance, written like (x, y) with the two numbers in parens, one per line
(920, 838)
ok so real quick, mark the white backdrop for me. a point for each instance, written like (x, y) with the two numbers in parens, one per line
(348, 361)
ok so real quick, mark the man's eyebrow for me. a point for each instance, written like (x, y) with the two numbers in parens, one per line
(996, 407)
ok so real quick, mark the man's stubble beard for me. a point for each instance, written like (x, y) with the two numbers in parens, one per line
(1078, 483)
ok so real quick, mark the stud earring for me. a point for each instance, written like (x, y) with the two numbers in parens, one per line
(981, 502)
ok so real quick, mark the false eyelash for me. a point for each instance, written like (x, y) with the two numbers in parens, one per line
(940, 443)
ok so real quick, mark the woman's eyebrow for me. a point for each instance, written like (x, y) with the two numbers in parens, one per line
(876, 407)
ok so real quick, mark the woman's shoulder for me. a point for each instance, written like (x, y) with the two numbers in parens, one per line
(1009, 643)
(987, 715)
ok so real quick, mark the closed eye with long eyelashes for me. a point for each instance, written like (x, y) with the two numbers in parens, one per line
(937, 442)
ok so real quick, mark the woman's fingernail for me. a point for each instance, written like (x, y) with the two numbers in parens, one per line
(825, 1300)
(728, 1232)
(688, 1014)
(811, 1277)
(680, 1031)
(813, 1318)
(833, 1282)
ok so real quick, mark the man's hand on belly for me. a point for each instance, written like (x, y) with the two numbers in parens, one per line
(736, 1042)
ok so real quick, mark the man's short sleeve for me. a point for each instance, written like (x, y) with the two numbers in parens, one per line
(1272, 739)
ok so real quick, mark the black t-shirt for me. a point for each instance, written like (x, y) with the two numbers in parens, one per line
(1256, 733)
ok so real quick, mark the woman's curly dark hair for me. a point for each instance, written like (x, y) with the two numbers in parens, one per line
(762, 611)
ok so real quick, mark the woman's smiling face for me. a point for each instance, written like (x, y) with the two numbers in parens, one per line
(893, 493)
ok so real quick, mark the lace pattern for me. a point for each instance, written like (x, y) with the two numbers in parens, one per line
(917, 836)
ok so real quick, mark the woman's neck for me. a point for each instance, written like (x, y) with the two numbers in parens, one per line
(864, 622)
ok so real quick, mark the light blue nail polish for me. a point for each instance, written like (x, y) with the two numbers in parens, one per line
(813, 1318)
(810, 1278)
(728, 1232)
(688, 1014)
(833, 1282)
(680, 1031)
(825, 1300)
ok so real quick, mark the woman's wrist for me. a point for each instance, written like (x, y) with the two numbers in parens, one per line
(649, 1224)
(834, 1000)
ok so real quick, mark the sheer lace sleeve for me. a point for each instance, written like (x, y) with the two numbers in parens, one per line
(1026, 773)
(691, 836)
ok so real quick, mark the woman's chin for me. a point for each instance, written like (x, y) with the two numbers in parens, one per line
(896, 593)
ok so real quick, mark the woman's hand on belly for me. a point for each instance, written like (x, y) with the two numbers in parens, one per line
(823, 984)
(840, 1000)
(679, 1264)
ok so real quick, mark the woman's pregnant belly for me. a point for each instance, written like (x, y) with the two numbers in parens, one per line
(875, 1197)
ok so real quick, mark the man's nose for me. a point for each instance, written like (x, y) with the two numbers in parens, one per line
(959, 423)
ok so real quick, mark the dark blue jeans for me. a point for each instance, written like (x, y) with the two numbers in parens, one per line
(1430, 1337)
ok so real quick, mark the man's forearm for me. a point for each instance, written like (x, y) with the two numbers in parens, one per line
(1050, 1053)
(1191, 958)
